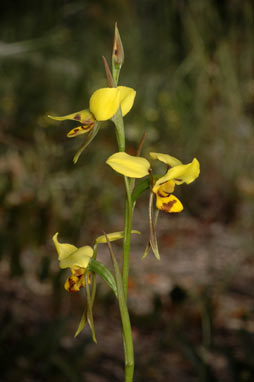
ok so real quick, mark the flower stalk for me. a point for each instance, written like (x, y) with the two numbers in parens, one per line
(113, 103)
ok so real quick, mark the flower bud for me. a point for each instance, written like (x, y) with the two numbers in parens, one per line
(118, 52)
(117, 55)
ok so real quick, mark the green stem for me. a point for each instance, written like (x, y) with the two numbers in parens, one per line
(127, 236)
(125, 318)
(126, 326)
(120, 134)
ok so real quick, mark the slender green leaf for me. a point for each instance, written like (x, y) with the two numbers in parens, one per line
(140, 188)
(104, 273)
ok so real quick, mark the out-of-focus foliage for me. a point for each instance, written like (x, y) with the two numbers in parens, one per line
(190, 62)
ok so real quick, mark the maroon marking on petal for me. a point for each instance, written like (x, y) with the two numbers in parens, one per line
(163, 196)
(71, 285)
(77, 117)
(168, 206)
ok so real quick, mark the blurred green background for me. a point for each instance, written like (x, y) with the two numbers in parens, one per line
(191, 64)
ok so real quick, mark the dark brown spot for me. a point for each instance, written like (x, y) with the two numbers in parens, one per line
(163, 196)
(77, 117)
(167, 206)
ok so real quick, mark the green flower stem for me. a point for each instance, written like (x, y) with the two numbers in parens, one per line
(127, 236)
(126, 325)
(120, 134)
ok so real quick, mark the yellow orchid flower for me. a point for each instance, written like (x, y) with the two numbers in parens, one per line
(77, 259)
(178, 173)
(103, 105)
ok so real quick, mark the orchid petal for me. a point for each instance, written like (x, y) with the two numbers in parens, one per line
(185, 173)
(167, 159)
(64, 250)
(79, 130)
(127, 96)
(169, 204)
(104, 103)
(80, 258)
(128, 165)
(83, 116)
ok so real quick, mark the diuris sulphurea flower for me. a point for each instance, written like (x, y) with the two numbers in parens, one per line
(77, 259)
(103, 105)
(178, 173)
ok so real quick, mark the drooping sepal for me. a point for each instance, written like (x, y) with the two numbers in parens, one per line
(82, 323)
(92, 134)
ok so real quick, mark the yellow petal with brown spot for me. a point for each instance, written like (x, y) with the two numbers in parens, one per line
(79, 130)
(164, 189)
(84, 116)
(169, 204)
